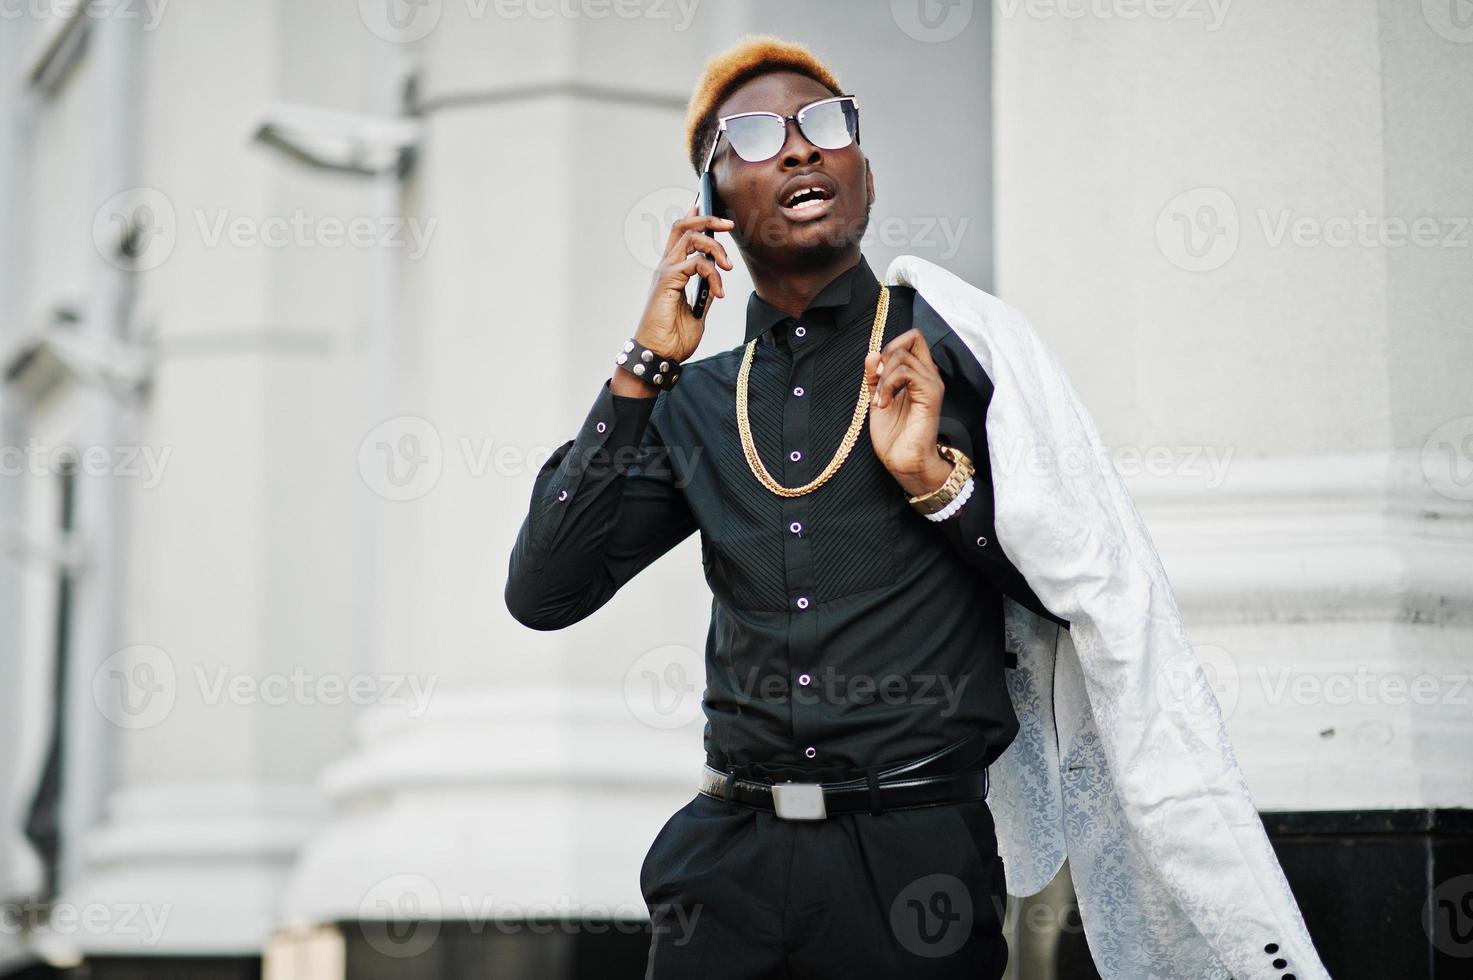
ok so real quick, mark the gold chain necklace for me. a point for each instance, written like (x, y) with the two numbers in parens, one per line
(877, 333)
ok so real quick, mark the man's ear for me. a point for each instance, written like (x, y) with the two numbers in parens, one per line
(869, 180)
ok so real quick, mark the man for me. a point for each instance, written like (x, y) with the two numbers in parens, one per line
(851, 634)
(836, 465)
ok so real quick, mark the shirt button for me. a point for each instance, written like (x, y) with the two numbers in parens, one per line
(981, 542)
(798, 391)
(796, 527)
(801, 331)
(804, 679)
(801, 602)
(795, 455)
(562, 495)
(601, 426)
(810, 752)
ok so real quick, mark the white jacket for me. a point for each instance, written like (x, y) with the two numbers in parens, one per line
(1122, 760)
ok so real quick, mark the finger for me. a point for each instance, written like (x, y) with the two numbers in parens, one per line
(928, 372)
(698, 264)
(699, 222)
(693, 241)
(911, 340)
(892, 381)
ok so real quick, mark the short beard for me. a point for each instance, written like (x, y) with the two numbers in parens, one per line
(823, 252)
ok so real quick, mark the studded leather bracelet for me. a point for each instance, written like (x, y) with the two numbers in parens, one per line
(648, 365)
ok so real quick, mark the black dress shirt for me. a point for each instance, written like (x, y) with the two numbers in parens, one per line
(847, 630)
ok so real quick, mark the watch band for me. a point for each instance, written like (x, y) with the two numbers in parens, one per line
(648, 365)
(951, 491)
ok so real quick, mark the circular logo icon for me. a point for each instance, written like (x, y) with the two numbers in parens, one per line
(647, 224)
(1200, 685)
(1450, 19)
(400, 916)
(1447, 459)
(932, 916)
(931, 21)
(1447, 916)
(136, 687)
(401, 458)
(135, 230)
(399, 21)
(664, 687)
(1198, 229)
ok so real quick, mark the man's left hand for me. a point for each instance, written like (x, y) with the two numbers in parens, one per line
(905, 412)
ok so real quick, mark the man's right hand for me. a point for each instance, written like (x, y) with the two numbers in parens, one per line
(668, 326)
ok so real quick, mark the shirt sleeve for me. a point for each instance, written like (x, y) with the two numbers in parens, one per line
(604, 506)
(971, 530)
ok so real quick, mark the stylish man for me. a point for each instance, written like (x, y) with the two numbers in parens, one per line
(836, 467)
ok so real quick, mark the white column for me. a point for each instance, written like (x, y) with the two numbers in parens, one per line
(1244, 228)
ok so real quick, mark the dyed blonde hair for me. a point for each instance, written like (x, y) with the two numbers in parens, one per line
(753, 55)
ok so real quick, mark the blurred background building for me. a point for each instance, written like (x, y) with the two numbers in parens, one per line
(271, 275)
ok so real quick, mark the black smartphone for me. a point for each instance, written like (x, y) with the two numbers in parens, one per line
(706, 206)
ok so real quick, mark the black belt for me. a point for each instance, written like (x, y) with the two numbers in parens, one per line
(943, 776)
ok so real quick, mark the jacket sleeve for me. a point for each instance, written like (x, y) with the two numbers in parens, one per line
(971, 530)
(604, 506)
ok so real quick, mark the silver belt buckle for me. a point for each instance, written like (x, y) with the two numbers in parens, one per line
(798, 801)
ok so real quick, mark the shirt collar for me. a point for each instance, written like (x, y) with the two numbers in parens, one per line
(849, 298)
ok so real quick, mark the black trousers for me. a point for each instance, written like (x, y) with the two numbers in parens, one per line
(734, 892)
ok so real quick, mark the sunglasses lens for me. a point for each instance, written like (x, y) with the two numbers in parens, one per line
(755, 138)
(831, 125)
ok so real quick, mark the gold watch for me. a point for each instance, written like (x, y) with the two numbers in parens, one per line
(930, 503)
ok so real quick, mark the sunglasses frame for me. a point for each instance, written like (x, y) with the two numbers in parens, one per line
(797, 117)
